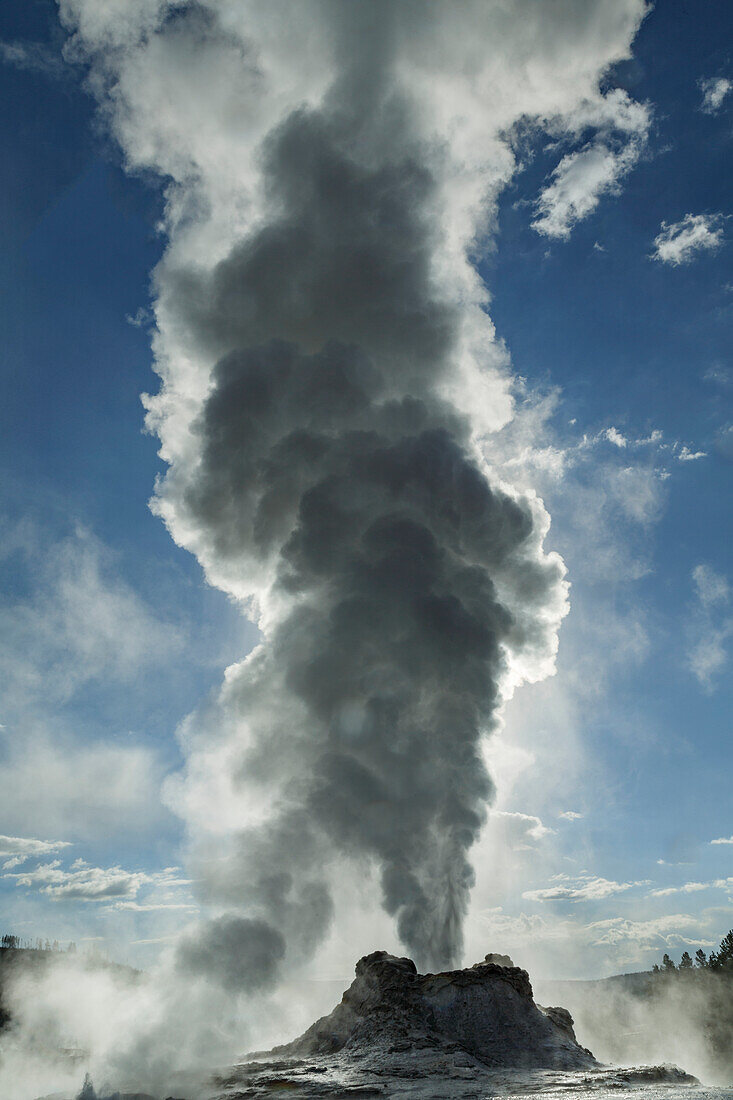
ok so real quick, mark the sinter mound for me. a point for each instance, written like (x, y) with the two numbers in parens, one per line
(487, 1011)
(458, 1035)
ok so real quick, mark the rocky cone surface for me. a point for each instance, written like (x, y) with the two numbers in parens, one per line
(460, 1035)
(487, 1011)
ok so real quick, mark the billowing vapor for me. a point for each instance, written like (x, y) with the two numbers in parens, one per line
(328, 372)
(332, 479)
(328, 369)
(684, 1020)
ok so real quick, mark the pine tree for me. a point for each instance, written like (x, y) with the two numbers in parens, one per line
(87, 1090)
(686, 961)
(725, 951)
(667, 964)
(700, 959)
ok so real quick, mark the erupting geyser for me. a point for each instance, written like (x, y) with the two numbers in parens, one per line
(325, 466)
(329, 372)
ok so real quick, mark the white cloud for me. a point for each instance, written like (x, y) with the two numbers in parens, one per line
(581, 888)
(584, 175)
(84, 882)
(680, 242)
(600, 514)
(638, 491)
(687, 455)
(81, 882)
(669, 931)
(151, 907)
(710, 627)
(601, 536)
(577, 185)
(521, 830)
(724, 441)
(609, 496)
(695, 887)
(719, 375)
(722, 840)
(711, 587)
(78, 623)
(571, 947)
(17, 849)
(714, 90)
(33, 57)
(709, 656)
(688, 888)
(86, 791)
(613, 435)
(615, 492)
(67, 625)
(140, 319)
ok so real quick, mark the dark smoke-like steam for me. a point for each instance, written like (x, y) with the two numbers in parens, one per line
(327, 451)
(328, 373)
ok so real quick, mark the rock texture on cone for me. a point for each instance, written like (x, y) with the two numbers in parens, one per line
(461, 1035)
(487, 1011)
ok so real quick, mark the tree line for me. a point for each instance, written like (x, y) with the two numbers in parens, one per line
(720, 960)
(11, 942)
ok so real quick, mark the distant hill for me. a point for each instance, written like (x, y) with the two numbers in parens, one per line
(34, 959)
(13, 959)
(637, 982)
(677, 1015)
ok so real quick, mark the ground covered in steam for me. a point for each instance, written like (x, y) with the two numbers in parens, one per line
(441, 1077)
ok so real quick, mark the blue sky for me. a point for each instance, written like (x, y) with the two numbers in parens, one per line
(112, 636)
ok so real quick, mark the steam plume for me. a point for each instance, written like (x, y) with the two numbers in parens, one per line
(328, 371)
(336, 483)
